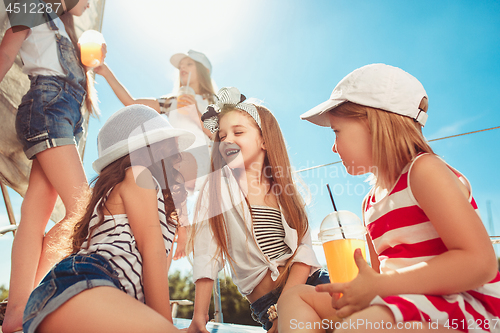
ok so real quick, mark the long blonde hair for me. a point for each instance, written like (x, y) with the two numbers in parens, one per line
(206, 87)
(396, 139)
(165, 173)
(278, 171)
(91, 98)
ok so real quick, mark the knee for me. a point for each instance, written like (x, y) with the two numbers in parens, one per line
(295, 293)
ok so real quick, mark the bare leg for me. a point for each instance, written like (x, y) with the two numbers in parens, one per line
(64, 170)
(56, 170)
(302, 309)
(105, 309)
(380, 319)
(27, 246)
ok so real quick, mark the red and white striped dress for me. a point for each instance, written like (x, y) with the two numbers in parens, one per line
(402, 236)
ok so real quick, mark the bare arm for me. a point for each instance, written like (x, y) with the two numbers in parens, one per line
(298, 275)
(373, 255)
(470, 260)
(10, 46)
(121, 92)
(201, 305)
(140, 201)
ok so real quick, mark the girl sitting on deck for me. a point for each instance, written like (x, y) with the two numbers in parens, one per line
(121, 242)
(433, 265)
(250, 213)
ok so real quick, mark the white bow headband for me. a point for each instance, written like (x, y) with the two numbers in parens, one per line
(230, 96)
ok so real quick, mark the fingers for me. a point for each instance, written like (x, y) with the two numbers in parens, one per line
(360, 260)
(274, 328)
(187, 99)
(104, 51)
(346, 311)
(179, 255)
(330, 288)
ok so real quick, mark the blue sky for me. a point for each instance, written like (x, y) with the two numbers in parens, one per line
(291, 54)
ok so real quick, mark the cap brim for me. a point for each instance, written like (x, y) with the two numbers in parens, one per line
(319, 114)
(175, 60)
(185, 139)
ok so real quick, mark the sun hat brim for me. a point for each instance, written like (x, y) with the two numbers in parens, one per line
(175, 60)
(319, 114)
(184, 140)
(200, 57)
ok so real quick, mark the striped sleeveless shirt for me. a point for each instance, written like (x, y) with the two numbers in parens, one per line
(402, 236)
(269, 231)
(115, 241)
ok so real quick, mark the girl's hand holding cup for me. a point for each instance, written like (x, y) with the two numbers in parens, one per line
(355, 295)
(185, 98)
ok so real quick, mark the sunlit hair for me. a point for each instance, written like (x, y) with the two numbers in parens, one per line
(206, 88)
(91, 98)
(164, 171)
(396, 139)
(278, 171)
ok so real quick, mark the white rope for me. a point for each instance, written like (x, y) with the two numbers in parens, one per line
(446, 137)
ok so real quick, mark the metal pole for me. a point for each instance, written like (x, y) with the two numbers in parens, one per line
(8, 205)
(218, 317)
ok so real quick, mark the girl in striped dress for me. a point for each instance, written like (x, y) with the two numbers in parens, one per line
(433, 265)
(116, 279)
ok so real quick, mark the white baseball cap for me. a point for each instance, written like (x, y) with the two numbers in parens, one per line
(378, 86)
(132, 128)
(195, 55)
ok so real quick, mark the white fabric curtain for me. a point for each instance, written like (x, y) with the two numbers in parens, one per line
(14, 166)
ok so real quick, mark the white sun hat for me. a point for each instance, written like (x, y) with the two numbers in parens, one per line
(132, 128)
(378, 86)
(195, 55)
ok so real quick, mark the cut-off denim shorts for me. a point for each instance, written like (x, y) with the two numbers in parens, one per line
(66, 279)
(259, 307)
(49, 115)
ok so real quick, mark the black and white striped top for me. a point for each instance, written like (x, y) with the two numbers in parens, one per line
(269, 231)
(115, 241)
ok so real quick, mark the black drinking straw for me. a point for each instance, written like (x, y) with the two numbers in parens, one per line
(335, 208)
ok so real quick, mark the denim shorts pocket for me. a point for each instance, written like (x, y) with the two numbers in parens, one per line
(50, 94)
(39, 298)
(23, 117)
(108, 271)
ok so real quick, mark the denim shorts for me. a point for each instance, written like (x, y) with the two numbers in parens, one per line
(49, 115)
(259, 307)
(66, 279)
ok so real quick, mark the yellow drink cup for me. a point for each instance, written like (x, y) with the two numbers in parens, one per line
(91, 54)
(184, 90)
(91, 48)
(340, 240)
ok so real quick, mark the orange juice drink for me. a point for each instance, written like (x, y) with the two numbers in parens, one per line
(184, 90)
(341, 233)
(91, 54)
(340, 258)
(91, 48)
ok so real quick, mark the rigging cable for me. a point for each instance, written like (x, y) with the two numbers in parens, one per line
(445, 137)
